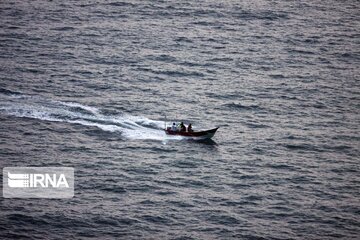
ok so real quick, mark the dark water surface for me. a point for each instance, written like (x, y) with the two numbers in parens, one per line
(86, 85)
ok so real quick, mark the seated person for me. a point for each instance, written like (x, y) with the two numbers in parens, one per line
(189, 128)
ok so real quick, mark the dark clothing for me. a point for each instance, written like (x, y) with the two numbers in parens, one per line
(190, 128)
(182, 128)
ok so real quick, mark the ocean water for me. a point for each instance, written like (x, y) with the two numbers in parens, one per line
(88, 84)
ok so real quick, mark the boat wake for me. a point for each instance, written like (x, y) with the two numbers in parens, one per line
(130, 127)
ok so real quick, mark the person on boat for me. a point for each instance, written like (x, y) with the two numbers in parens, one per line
(182, 127)
(173, 127)
(189, 128)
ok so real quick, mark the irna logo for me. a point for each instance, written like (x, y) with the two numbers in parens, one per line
(38, 182)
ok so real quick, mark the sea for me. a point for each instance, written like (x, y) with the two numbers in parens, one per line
(91, 85)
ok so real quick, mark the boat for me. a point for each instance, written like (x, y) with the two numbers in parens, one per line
(195, 135)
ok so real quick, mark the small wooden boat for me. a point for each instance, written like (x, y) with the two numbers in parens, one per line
(196, 135)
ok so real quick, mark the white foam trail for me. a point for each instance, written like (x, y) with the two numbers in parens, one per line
(130, 127)
(92, 110)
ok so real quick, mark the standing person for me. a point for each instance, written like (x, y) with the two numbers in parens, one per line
(178, 127)
(182, 127)
(173, 127)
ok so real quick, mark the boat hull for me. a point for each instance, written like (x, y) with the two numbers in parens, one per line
(200, 135)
